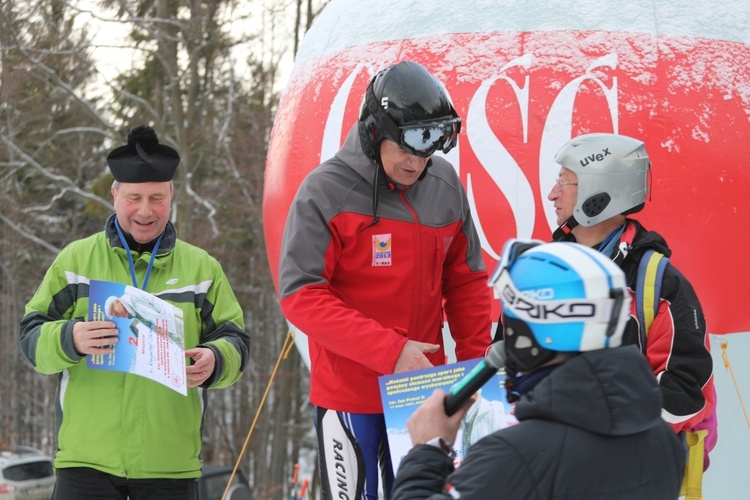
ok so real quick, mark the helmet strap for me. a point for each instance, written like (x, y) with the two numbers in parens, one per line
(424, 172)
(619, 297)
(375, 192)
(564, 232)
(511, 394)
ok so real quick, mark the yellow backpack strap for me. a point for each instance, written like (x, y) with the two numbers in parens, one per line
(693, 480)
(648, 290)
(648, 293)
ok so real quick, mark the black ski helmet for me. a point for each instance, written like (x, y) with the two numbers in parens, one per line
(406, 104)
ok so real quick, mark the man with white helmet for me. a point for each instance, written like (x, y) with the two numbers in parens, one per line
(603, 178)
(588, 408)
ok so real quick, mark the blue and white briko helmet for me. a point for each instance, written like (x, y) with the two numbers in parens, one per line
(558, 297)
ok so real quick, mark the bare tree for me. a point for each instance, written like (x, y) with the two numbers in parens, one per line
(207, 82)
(49, 135)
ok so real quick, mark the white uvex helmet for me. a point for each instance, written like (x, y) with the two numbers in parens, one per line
(612, 173)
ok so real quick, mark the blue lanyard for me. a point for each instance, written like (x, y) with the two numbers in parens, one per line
(608, 245)
(130, 257)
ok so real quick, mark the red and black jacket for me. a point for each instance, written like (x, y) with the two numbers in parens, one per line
(678, 344)
(359, 289)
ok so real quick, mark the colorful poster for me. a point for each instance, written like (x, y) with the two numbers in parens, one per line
(151, 341)
(402, 394)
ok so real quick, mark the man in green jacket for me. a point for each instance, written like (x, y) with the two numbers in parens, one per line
(120, 435)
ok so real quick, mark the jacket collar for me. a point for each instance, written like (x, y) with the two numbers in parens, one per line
(167, 242)
(636, 239)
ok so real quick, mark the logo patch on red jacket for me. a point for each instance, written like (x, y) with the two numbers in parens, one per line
(381, 249)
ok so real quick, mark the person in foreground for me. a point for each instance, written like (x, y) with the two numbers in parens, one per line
(378, 246)
(589, 409)
(119, 435)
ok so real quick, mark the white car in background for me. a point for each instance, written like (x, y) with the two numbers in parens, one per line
(26, 474)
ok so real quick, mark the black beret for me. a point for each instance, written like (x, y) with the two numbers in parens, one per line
(143, 159)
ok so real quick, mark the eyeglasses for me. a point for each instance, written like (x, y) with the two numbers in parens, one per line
(561, 184)
(425, 138)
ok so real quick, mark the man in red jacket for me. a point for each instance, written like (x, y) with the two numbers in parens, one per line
(378, 246)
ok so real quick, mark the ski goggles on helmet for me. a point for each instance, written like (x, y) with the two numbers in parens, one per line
(529, 308)
(423, 139)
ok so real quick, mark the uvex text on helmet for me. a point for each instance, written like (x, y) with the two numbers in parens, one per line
(612, 173)
(406, 104)
(558, 297)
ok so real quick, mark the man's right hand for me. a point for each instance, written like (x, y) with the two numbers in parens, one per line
(412, 356)
(94, 337)
(430, 421)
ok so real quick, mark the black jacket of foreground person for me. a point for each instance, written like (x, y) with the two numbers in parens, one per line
(591, 429)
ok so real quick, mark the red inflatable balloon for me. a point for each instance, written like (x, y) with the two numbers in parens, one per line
(525, 81)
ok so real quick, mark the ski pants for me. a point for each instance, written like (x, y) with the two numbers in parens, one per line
(351, 449)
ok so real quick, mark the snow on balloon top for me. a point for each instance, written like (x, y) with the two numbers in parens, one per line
(345, 23)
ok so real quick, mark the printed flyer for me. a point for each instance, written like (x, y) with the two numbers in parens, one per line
(151, 334)
(402, 393)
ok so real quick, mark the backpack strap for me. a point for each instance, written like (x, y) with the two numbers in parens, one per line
(692, 481)
(648, 290)
(647, 295)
